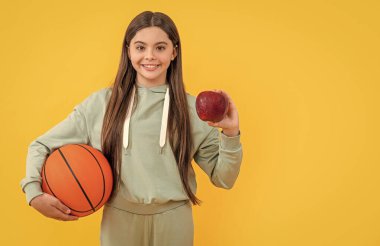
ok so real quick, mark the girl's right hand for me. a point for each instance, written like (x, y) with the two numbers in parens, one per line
(51, 207)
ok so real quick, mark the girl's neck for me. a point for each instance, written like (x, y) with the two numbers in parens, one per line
(149, 85)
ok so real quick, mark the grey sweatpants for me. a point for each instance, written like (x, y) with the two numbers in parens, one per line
(171, 226)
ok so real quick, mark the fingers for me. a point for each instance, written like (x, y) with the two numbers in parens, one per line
(52, 207)
(60, 206)
(58, 215)
(62, 212)
(214, 124)
(65, 217)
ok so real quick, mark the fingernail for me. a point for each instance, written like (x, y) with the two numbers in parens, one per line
(68, 211)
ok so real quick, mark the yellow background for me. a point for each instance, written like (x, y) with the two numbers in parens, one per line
(303, 74)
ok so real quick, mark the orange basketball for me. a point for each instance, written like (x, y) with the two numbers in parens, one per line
(79, 176)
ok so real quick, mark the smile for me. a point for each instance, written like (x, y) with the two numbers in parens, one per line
(150, 67)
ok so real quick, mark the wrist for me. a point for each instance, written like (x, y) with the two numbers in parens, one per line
(231, 132)
(33, 201)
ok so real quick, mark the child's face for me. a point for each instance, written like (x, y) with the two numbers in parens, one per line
(151, 52)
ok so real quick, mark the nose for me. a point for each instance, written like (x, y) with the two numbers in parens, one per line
(149, 55)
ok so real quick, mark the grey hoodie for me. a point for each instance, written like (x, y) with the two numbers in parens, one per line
(149, 172)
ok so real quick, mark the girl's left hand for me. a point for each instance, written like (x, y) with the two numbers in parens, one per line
(230, 123)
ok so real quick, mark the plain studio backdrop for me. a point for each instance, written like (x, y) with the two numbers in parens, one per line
(303, 74)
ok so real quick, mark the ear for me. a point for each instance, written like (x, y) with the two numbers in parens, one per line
(174, 55)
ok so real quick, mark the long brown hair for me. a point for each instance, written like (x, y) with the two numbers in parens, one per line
(179, 121)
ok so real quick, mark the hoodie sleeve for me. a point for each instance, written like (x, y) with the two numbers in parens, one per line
(73, 129)
(220, 157)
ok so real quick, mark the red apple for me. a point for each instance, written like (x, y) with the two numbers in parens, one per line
(211, 106)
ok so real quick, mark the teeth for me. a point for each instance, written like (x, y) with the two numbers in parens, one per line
(150, 66)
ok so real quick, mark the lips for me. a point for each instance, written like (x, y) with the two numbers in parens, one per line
(150, 67)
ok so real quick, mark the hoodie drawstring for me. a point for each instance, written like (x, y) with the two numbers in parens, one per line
(128, 119)
(164, 121)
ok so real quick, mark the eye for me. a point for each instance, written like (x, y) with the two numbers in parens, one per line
(161, 48)
(140, 48)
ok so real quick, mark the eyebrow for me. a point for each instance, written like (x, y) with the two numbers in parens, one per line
(162, 42)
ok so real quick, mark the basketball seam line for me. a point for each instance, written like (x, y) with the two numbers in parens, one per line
(101, 170)
(76, 179)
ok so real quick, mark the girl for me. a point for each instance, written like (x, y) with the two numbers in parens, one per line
(147, 127)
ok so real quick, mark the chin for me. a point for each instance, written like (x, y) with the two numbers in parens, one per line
(151, 76)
